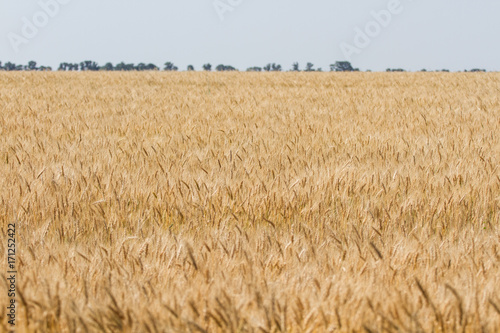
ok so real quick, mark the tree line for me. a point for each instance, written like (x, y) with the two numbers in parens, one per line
(88, 65)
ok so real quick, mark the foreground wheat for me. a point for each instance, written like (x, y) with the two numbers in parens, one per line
(244, 202)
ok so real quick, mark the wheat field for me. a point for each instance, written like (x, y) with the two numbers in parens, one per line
(252, 202)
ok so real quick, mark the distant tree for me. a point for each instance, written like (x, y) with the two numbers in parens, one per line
(275, 68)
(1, 67)
(423, 70)
(92, 65)
(223, 68)
(319, 69)
(107, 67)
(140, 67)
(124, 67)
(121, 66)
(295, 67)
(89, 65)
(309, 67)
(341, 66)
(207, 67)
(477, 70)
(272, 68)
(254, 69)
(169, 66)
(190, 68)
(152, 67)
(32, 66)
(9, 66)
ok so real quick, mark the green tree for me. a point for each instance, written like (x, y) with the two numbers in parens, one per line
(276, 68)
(120, 67)
(254, 69)
(152, 67)
(341, 66)
(32, 66)
(223, 68)
(9, 66)
(169, 66)
(108, 67)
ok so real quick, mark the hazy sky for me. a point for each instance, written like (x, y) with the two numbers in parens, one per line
(432, 34)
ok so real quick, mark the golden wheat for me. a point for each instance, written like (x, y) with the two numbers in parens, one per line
(243, 202)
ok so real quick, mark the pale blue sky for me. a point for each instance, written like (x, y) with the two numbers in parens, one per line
(432, 34)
